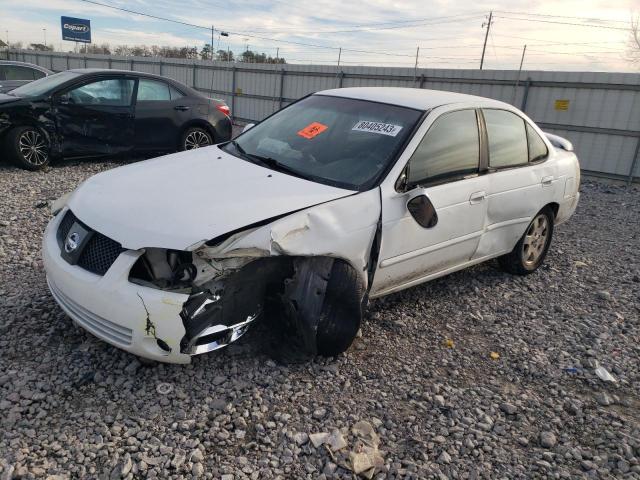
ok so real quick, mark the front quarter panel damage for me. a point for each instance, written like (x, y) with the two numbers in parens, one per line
(342, 228)
(286, 263)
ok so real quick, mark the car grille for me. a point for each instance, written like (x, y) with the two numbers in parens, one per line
(100, 327)
(100, 251)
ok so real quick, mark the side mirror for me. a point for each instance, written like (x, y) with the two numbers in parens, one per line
(423, 211)
(63, 99)
(248, 126)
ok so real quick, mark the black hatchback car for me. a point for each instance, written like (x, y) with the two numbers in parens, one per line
(94, 112)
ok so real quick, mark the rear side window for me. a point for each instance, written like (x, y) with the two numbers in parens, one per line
(507, 139)
(152, 91)
(17, 72)
(537, 148)
(450, 149)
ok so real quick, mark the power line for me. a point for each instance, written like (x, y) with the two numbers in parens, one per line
(564, 23)
(372, 26)
(586, 19)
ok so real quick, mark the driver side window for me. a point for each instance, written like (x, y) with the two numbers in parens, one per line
(112, 93)
(449, 150)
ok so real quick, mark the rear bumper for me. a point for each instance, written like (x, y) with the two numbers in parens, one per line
(114, 309)
(567, 208)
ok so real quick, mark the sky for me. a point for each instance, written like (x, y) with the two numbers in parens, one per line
(449, 34)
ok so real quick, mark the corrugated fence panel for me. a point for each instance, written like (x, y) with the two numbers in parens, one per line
(597, 111)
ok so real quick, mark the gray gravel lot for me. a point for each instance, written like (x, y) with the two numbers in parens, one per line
(421, 374)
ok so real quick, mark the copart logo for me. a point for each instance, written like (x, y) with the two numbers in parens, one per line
(74, 27)
(71, 243)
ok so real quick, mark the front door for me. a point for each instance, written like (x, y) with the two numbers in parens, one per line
(161, 110)
(436, 222)
(96, 118)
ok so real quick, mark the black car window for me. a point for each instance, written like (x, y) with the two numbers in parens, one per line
(153, 91)
(18, 72)
(507, 139)
(116, 92)
(449, 150)
(537, 148)
(175, 94)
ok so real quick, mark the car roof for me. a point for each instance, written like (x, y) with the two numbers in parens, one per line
(25, 64)
(418, 98)
(111, 71)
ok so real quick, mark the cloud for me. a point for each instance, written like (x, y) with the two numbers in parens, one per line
(292, 26)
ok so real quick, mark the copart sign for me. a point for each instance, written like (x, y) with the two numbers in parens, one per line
(76, 29)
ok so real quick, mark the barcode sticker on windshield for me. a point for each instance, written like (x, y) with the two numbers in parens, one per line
(377, 127)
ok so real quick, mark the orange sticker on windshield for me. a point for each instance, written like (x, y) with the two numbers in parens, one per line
(312, 130)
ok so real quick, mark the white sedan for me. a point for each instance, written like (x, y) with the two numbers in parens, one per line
(343, 196)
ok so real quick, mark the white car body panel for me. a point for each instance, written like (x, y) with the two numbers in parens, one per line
(202, 193)
(184, 200)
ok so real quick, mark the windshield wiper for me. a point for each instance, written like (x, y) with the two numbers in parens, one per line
(269, 162)
(273, 164)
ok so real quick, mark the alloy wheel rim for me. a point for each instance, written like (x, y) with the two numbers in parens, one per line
(33, 148)
(196, 139)
(535, 240)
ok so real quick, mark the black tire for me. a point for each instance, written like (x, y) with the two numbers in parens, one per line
(28, 148)
(525, 259)
(341, 312)
(195, 137)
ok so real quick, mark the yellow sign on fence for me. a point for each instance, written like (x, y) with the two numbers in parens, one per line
(562, 105)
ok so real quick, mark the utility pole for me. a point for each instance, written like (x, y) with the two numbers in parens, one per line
(415, 68)
(277, 55)
(339, 55)
(486, 36)
(212, 43)
(45, 38)
(7, 37)
(515, 88)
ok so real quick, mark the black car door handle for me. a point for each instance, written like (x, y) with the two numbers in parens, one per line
(181, 108)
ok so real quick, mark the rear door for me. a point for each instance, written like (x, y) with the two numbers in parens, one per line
(96, 116)
(521, 182)
(436, 224)
(161, 110)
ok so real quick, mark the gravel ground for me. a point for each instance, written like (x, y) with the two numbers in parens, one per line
(422, 374)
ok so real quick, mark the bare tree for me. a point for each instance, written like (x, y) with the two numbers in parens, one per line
(634, 40)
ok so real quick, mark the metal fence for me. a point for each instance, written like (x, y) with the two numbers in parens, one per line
(598, 112)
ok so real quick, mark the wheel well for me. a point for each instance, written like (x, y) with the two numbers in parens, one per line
(199, 124)
(554, 208)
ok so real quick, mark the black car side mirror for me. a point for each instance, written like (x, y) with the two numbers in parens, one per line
(64, 100)
(423, 211)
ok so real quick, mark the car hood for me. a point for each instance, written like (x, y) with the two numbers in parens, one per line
(7, 98)
(180, 200)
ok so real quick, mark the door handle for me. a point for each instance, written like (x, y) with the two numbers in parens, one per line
(547, 181)
(182, 108)
(477, 197)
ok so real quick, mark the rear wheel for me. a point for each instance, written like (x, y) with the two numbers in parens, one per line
(531, 250)
(195, 137)
(28, 148)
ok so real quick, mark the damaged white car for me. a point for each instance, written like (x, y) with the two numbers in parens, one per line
(343, 196)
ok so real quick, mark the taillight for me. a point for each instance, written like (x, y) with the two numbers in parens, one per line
(224, 109)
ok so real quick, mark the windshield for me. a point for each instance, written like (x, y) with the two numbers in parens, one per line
(338, 141)
(43, 85)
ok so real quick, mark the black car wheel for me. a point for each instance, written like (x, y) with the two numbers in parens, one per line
(28, 148)
(195, 137)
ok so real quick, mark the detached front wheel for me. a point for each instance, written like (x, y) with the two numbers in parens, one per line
(28, 148)
(531, 250)
(195, 137)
